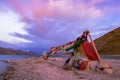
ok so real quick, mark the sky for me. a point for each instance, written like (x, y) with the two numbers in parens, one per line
(38, 25)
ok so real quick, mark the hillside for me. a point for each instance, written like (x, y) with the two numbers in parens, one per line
(109, 43)
(7, 51)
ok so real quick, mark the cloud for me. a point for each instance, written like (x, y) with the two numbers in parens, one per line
(9, 24)
(40, 16)
(95, 2)
(46, 23)
(33, 9)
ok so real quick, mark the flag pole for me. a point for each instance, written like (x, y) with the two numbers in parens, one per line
(99, 59)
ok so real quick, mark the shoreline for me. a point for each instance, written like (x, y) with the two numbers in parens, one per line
(3, 66)
(51, 69)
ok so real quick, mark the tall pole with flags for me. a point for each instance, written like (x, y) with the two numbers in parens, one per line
(99, 59)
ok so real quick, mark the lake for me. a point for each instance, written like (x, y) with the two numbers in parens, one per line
(110, 56)
(102, 56)
(14, 57)
(18, 57)
(3, 65)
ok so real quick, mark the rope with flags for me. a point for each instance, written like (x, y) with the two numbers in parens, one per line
(80, 45)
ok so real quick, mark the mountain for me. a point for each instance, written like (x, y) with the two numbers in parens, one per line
(8, 51)
(109, 43)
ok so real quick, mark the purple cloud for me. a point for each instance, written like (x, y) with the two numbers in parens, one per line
(55, 22)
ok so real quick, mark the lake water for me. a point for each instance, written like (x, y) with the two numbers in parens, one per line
(14, 57)
(110, 56)
(18, 57)
(3, 65)
(102, 56)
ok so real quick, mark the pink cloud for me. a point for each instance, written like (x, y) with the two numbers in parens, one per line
(55, 8)
(56, 21)
(67, 9)
(95, 2)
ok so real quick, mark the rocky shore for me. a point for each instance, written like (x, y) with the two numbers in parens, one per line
(51, 69)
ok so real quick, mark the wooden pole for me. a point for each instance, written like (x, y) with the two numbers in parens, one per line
(99, 59)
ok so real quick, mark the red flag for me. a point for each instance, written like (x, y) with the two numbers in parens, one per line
(89, 51)
(83, 67)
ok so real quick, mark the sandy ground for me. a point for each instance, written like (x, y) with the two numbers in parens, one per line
(39, 69)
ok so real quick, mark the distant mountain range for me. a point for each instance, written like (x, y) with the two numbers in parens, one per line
(7, 51)
(109, 43)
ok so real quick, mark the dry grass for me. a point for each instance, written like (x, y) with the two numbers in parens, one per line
(109, 43)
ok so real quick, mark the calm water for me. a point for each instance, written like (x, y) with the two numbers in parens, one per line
(18, 57)
(3, 65)
(103, 56)
(110, 57)
(14, 57)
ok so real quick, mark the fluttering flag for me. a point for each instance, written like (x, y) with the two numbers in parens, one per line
(89, 51)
